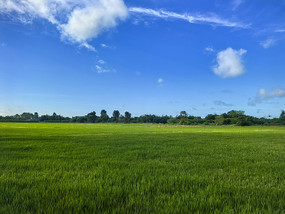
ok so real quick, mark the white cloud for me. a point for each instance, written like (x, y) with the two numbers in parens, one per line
(77, 21)
(209, 49)
(104, 45)
(87, 22)
(267, 43)
(194, 19)
(265, 95)
(229, 63)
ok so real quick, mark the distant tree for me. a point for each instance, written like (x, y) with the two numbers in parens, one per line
(282, 118)
(17, 116)
(91, 117)
(183, 114)
(183, 118)
(127, 117)
(116, 115)
(103, 116)
(243, 122)
(81, 119)
(219, 120)
(27, 116)
(173, 120)
(196, 121)
(227, 121)
(235, 114)
(54, 116)
(36, 116)
(210, 117)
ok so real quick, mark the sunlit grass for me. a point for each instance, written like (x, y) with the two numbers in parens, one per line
(141, 168)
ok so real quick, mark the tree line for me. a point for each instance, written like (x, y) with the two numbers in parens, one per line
(230, 118)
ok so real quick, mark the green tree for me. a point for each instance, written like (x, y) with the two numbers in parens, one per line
(27, 116)
(282, 118)
(54, 116)
(173, 120)
(36, 116)
(235, 114)
(116, 115)
(183, 114)
(104, 116)
(128, 117)
(219, 120)
(91, 117)
(183, 118)
(210, 117)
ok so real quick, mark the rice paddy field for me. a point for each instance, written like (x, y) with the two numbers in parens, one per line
(141, 168)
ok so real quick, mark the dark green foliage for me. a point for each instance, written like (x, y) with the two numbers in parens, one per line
(151, 118)
(127, 117)
(104, 116)
(53, 118)
(116, 116)
(231, 118)
(91, 117)
(219, 120)
(210, 117)
(173, 120)
(282, 118)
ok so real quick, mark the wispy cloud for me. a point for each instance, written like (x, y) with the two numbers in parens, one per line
(77, 21)
(100, 69)
(265, 95)
(160, 81)
(237, 3)
(229, 63)
(209, 49)
(222, 103)
(108, 46)
(101, 66)
(280, 31)
(191, 18)
(102, 62)
(267, 43)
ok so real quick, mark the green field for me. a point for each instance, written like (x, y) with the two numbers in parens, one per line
(135, 168)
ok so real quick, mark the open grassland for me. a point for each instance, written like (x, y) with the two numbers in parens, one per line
(117, 168)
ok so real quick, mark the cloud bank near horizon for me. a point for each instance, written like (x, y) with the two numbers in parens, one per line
(264, 95)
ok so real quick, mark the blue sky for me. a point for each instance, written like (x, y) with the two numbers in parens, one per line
(146, 57)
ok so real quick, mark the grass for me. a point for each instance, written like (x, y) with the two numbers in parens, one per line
(135, 168)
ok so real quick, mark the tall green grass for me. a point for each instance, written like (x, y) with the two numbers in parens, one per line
(117, 168)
